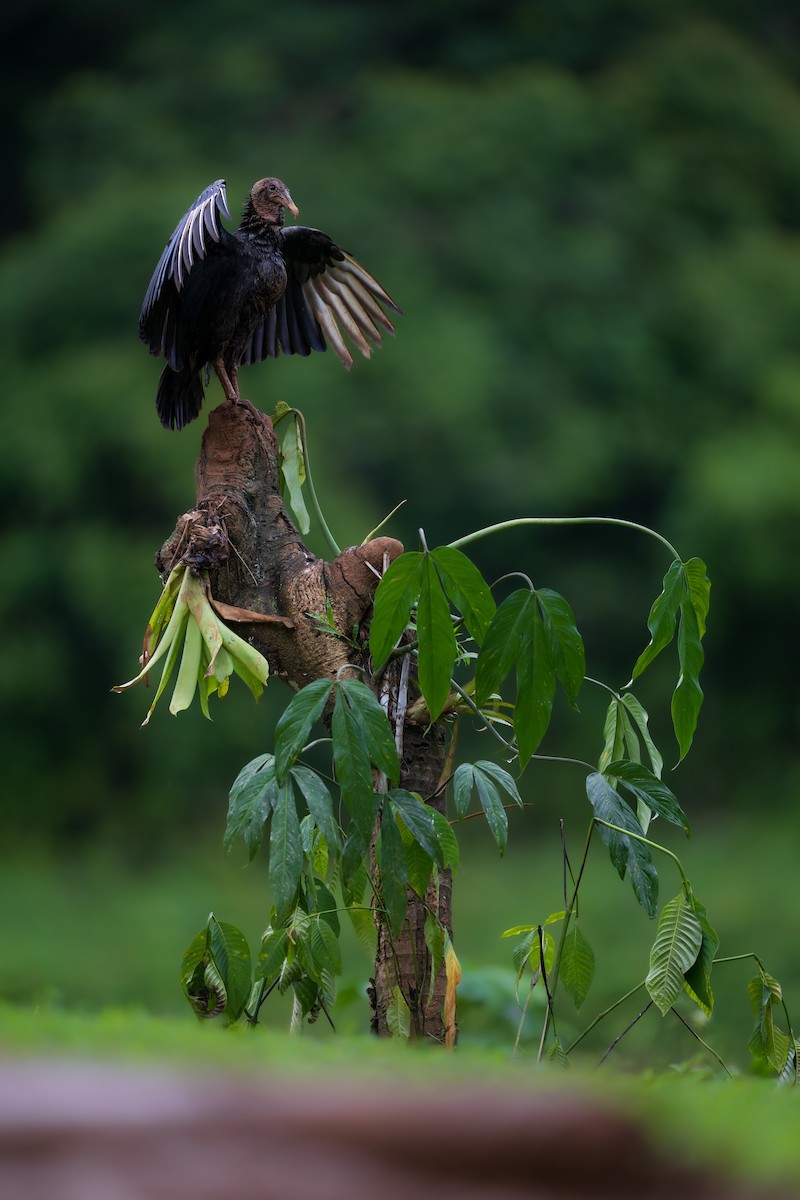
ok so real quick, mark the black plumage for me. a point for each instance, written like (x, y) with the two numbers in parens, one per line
(220, 299)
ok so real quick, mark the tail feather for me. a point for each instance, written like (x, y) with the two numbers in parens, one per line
(179, 398)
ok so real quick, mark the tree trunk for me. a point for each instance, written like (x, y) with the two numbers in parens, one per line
(241, 534)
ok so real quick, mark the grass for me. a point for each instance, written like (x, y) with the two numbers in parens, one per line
(746, 1126)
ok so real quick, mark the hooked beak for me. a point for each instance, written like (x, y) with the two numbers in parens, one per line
(289, 203)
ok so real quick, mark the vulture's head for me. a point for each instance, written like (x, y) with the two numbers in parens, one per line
(269, 197)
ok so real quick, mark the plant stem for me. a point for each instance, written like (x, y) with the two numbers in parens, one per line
(625, 1031)
(516, 575)
(523, 1015)
(470, 703)
(653, 845)
(548, 1017)
(601, 1016)
(705, 1045)
(323, 524)
(517, 521)
(558, 758)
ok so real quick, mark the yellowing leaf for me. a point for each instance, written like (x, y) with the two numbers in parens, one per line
(453, 972)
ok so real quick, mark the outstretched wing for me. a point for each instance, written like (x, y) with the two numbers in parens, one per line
(327, 294)
(197, 229)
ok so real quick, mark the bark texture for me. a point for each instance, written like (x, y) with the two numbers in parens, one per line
(241, 533)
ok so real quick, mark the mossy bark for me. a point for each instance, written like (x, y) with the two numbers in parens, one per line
(240, 532)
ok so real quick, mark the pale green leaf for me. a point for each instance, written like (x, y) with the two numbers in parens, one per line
(577, 965)
(640, 717)
(293, 469)
(674, 951)
(697, 981)
(398, 1015)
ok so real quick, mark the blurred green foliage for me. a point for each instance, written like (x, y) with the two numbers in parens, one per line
(590, 213)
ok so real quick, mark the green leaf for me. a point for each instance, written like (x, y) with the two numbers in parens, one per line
(492, 805)
(699, 588)
(325, 949)
(394, 599)
(629, 736)
(557, 1053)
(463, 780)
(447, 840)
(466, 588)
(613, 734)
(684, 600)
(272, 953)
(307, 994)
(534, 953)
(627, 853)
(193, 955)
(378, 735)
(186, 682)
(502, 644)
(523, 950)
(687, 699)
(285, 852)
(315, 850)
(434, 940)
(398, 1015)
(251, 797)
(418, 819)
(437, 640)
(577, 965)
(486, 777)
(641, 719)
(230, 954)
(394, 872)
(469, 776)
(650, 790)
(294, 725)
(502, 778)
(564, 641)
(674, 951)
(293, 469)
(353, 769)
(325, 906)
(360, 915)
(419, 864)
(320, 805)
(789, 1074)
(697, 980)
(536, 685)
(768, 1041)
(663, 615)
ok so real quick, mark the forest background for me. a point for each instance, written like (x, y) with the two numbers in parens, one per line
(590, 213)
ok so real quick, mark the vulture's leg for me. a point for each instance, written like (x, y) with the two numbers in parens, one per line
(228, 387)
